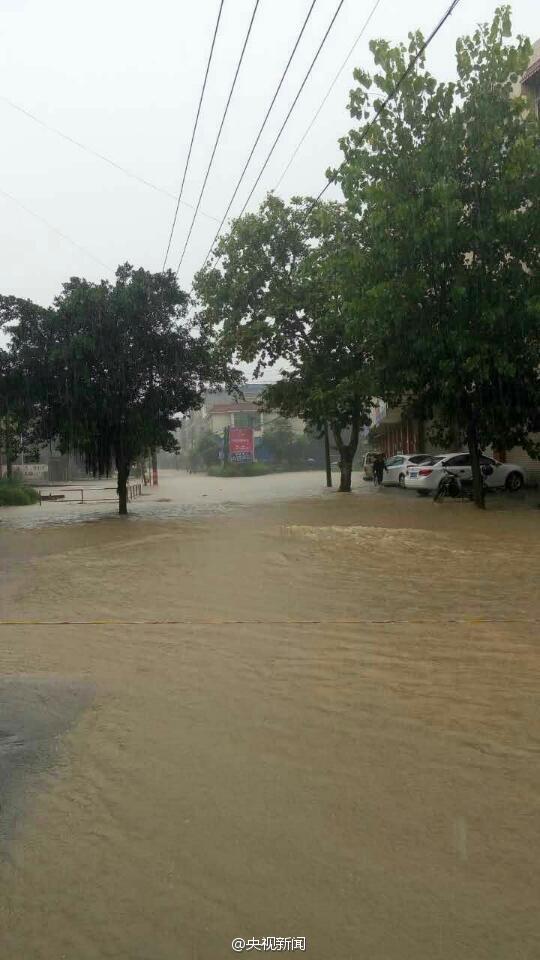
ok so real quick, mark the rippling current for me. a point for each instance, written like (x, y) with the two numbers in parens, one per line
(336, 734)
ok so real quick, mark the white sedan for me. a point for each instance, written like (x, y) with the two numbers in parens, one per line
(395, 468)
(425, 477)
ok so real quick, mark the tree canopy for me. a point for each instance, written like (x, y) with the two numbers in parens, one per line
(446, 189)
(111, 366)
(276, 293)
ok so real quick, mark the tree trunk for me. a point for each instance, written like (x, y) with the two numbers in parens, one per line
(123, 474)
(327, 456)
(477, 479)
(347, 452)
(8, 448)
(421, 434)
(345, 467)
(154, 468)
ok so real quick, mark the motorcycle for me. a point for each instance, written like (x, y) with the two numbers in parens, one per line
(453, 486)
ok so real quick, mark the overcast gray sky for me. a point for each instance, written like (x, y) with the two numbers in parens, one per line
(123, 77)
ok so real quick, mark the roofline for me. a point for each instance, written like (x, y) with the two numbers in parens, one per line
(531, 71)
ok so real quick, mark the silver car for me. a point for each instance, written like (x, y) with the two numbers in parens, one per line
(395, 468)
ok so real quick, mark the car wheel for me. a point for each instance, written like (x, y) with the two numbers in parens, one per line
(514, 482)
(423, 493)
(402, 479)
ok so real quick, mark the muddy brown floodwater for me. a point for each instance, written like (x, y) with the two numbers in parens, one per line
(373, 787)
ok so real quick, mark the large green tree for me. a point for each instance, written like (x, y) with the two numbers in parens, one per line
(275, 293)
(206, 450)
(447, 186)
(16, 409)
(110, 366)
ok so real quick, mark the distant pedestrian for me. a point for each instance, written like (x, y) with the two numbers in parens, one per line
(378, 469)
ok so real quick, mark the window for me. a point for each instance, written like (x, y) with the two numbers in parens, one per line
(464, 460)
(247, 420)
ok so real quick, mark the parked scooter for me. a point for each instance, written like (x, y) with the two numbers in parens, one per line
(453, 486)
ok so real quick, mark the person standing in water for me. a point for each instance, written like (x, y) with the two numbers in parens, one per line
(378, 469)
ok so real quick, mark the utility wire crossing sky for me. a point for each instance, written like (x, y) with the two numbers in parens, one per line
(98, 106)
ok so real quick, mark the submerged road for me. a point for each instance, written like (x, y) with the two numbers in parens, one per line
(274, 762)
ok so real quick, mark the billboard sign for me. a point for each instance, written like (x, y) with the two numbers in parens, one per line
(241, 444)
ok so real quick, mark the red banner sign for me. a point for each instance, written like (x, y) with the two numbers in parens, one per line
(241, 443)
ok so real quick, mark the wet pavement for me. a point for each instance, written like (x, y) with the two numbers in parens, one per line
(34, 713)
(275, 760)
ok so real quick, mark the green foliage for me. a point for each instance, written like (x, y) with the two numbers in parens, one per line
(240, 470)
(15, 407)
(279, 294)
(14, 494)
(279, 440)
(286, 447)
(111, 366)
(205, 453)
(446, 186)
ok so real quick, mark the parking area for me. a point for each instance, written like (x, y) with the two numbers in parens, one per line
(443, 473)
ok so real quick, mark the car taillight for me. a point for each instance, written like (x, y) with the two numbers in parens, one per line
(424, 472)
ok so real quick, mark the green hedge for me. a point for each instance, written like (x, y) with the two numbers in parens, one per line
(13, 493)
(240, 470)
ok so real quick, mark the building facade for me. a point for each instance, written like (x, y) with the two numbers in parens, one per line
(530, 81)
(221, 410)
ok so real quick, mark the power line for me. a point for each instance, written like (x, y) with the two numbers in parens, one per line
(365, 25)
(393, 92)
(261, 128)
(51, 226)
(226, 110)
(382, 107)
(291, 108)
(95, 153)
(194, 131)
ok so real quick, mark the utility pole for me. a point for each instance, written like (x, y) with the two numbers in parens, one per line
(327, 455)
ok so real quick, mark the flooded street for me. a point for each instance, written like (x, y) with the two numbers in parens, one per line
(330, 730)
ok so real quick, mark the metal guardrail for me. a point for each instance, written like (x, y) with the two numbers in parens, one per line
(134, 490)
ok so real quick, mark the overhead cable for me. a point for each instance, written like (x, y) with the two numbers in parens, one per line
(396, 88)
(291, 108)
(218, 137)
(261, 128)
(60, 233)
(365, 25)
(95, 153)
(194, 131)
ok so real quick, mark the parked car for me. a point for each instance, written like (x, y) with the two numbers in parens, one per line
(425, 477)
(395, 468)
(369, 460)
